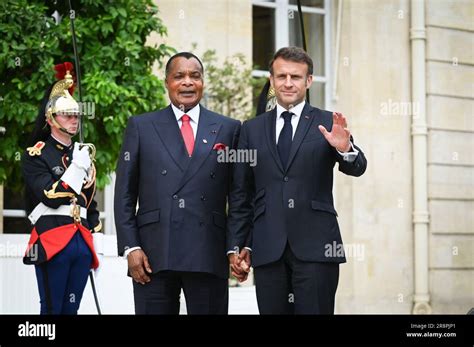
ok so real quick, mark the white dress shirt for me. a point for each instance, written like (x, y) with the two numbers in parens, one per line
(192, 113)
(295, 118)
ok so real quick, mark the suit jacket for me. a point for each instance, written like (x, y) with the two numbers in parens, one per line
(181, 218)
(272, 205)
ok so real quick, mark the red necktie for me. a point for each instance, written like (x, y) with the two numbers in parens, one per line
(187, 133)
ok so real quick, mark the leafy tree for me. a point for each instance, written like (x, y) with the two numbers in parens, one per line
(116, 66)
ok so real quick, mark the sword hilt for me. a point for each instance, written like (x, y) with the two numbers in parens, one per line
(92, 149)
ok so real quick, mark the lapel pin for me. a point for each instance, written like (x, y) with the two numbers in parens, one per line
(204, 140)
(306, 117)
(213, 131)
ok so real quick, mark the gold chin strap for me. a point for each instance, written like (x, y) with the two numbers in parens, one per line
(57, 125)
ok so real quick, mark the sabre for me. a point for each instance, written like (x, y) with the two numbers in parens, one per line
(72, 15)
(81, 134)
(94, 291)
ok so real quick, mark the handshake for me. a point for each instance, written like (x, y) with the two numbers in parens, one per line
(240, 264)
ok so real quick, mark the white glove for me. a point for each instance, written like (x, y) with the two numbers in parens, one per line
(74, 177)
(98, 240)
(81, 157)
(78, 170)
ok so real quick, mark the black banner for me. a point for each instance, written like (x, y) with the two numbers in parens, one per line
(453, 330)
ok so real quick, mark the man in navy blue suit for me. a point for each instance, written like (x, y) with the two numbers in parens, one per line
(176, 239)
(284, 204)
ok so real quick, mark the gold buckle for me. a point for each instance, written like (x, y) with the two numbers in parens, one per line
(75, 211)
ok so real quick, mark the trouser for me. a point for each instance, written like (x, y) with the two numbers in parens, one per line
(292, 286)
(62, 279)
(204, 293)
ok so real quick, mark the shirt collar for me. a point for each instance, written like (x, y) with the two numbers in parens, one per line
(295, 110)
(192, 113)
(59, 144)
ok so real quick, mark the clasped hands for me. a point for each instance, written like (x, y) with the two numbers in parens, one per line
(140, 269)
(240, 264)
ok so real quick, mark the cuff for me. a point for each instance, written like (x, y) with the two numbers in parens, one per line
(351, 155)
(127, 252)
(235, 251)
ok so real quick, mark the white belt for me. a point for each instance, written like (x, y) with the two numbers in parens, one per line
(63, 210)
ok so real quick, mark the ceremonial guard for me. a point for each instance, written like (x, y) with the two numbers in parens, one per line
(60, 184)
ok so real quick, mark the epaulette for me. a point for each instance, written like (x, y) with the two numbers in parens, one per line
(36, 149)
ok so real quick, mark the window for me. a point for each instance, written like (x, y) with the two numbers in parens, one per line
(309, 3)
(263, 43)
(276, 24)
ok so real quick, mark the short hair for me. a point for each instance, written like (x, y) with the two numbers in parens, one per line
(187, 55)
(295, 54)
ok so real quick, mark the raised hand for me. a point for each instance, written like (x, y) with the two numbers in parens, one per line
(339, 137)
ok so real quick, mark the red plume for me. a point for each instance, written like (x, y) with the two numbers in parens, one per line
(61, 72)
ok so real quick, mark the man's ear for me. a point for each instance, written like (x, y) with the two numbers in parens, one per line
(271, 82)
(166, 82)
(309, 81)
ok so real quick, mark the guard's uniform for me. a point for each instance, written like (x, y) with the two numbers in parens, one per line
(61, 248)
(60, 204)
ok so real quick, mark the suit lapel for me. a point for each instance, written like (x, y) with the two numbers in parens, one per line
(168, 130)
(207, 132)
(270, 131)
(306, 119)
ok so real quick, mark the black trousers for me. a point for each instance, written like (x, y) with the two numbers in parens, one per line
(292, 286)
(204, 293)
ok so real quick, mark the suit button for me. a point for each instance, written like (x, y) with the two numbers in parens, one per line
(203, 198)
(164, 172)
(213, 175)
(286, 179)
(175, 197)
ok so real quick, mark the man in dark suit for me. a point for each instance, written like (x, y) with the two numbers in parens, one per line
(169, 165)
(284, 205)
